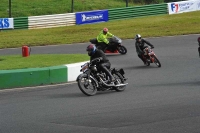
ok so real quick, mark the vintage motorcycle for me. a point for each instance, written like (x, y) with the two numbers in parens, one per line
(116, 45)
(93, 79)
(150, 56)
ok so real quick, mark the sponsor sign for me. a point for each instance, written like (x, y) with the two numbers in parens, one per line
(198, 5)
(91, 17)
(183, 6)
(6, 23)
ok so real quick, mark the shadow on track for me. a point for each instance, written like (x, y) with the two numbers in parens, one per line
(74, 95)
(69, 95)
(192, 83)
(140, 67)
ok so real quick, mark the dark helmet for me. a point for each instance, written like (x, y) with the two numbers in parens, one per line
(91, 49)
(138, 36)
(105, 30)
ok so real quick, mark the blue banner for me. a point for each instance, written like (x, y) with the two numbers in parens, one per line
(91, 17)
(6, 23)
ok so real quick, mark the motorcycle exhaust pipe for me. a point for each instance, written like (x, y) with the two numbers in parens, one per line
(106, 84)
(118, 85)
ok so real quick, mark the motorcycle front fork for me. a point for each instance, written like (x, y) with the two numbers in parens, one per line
(148, 59)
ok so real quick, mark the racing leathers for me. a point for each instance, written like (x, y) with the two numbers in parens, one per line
(102, 40)
(140, 47)
(104, 63)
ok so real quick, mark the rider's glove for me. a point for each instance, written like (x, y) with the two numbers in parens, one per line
(99, 59)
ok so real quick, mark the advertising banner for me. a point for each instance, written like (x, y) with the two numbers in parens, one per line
(183, 6)
(91, 17)
(198, 5)
(6, 23)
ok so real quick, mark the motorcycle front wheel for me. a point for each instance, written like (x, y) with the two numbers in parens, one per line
(87, 86)
(122, 49)
(119, 80)
(157, 62)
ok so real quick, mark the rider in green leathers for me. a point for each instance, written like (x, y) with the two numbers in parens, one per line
(102, 39)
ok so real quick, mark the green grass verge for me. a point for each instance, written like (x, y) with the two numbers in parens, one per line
(22, 8)
(152, 26)
(42, 60)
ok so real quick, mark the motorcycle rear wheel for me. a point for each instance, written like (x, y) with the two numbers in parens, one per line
(87, 86)
(122, 50)
(119, 80)
(157, 62)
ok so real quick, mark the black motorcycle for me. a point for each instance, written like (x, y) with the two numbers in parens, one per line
(93, 79)
(116, 45)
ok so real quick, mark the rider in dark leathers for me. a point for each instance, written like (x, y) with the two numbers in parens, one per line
(103, 63)
(199, 45)
(139, 45)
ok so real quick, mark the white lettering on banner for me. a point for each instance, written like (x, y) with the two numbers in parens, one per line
(89, 18)
(6, 23)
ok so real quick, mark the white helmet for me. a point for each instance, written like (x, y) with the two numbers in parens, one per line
(138, 36)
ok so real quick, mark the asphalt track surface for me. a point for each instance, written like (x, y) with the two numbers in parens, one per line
(156, 100)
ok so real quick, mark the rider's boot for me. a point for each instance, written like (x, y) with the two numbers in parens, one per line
(111, 82)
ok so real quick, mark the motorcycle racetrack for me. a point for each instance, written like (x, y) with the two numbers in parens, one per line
(156, 100)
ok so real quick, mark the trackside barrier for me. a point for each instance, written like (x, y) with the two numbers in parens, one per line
(49, 21)
(68, 19)
(32, 77)
(39, 76)
(137, 11)
(183, 6)
(21, 23)
(6, 23)
(74, 70)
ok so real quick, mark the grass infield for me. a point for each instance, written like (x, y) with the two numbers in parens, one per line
(40, 60)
